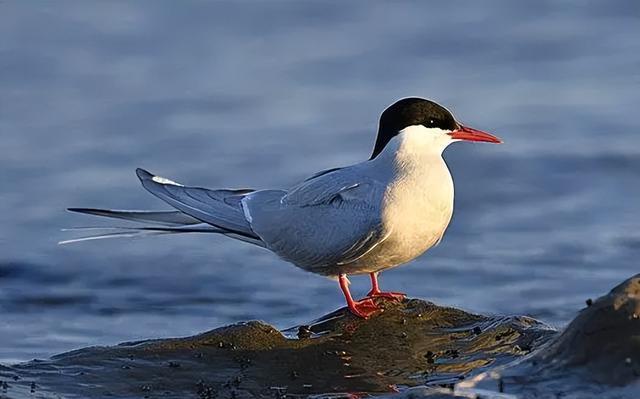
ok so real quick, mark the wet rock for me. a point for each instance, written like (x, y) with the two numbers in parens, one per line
(413, 349)
(335, 354)
(604, 338)
(597, 355)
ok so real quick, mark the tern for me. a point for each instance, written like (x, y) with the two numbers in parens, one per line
(359, 219)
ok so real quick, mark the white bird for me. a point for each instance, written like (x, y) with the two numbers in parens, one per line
(359, 219)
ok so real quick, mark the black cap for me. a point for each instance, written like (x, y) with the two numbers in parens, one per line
(408, 112)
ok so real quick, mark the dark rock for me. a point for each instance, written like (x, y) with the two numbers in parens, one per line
(597, 355)
(337, 353)
(604, 339)
(304, 332)
(416, 347)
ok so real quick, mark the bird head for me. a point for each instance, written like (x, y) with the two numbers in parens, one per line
(426, 122)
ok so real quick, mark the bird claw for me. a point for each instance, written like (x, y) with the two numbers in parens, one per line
(396, 296)
(364, 308)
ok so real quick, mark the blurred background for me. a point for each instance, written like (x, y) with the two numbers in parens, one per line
(262, 94)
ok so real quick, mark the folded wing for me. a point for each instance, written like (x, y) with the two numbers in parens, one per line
(332, 219)
(219, 208)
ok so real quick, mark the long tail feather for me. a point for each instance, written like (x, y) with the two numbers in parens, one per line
(120, 234)
(169, 218)
(130, 232)
(200, 210)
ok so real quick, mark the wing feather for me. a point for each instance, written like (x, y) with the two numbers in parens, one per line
(209, 206)
(323, 222)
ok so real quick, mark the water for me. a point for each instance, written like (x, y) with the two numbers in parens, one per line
(261, 95)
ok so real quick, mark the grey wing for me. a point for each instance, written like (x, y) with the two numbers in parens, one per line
(325, 222)
(345, 184)
(219, 208)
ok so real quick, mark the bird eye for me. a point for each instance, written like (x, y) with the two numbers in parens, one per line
(431, 123)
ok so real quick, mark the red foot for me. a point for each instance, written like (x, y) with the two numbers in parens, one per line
(376, 293)
(363, 308)
(396, 296)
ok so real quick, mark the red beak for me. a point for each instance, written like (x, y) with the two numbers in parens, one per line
(471, 134)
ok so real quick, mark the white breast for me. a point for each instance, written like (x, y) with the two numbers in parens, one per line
(417, 209)
(418, 203)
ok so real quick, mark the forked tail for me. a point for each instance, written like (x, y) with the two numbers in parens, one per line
(199, 210)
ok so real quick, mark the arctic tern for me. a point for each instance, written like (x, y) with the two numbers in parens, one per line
(358, 219)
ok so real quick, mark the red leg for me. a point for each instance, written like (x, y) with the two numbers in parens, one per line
(363, 308)
(376, 293)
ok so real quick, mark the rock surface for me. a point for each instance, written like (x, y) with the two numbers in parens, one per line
(598, 354)
(413, 348)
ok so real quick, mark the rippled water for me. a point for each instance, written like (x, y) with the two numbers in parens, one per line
(261, 95)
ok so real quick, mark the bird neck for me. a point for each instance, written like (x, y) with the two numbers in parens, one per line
(413, 152)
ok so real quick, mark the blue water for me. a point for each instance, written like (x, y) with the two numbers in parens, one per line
(257, 94)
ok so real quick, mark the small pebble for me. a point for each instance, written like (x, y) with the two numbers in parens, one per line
(430, 357)
(477, 330)
(453, 353)
(304, 332)
(174, 365)
(589, 302)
